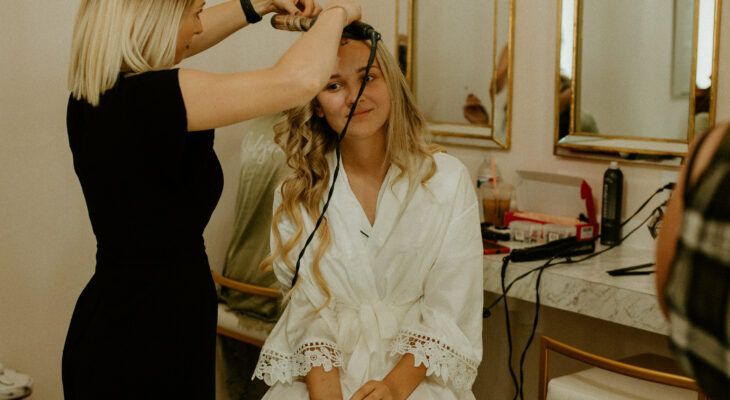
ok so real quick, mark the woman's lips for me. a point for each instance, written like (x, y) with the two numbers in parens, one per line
(360, 113)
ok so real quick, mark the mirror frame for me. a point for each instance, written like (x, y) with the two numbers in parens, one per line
(468, 134)
(626, 144)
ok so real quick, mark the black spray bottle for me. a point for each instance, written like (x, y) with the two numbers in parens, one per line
(613, 185)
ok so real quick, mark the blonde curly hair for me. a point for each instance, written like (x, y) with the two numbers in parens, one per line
(306, 140)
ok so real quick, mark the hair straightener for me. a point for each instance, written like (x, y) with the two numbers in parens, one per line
(567, 247)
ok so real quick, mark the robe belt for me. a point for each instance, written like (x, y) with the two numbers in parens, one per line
(362, 329)
(370, 322)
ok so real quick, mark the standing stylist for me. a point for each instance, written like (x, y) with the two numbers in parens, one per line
(142, 142)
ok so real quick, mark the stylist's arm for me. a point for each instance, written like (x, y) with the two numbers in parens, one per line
(216, 100)
(222, 20)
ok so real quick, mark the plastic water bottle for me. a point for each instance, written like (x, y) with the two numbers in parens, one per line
(483, 175)
(484, 172)
(613, 185)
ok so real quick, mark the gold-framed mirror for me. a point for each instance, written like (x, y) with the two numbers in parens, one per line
(635, 79)
(457, 58)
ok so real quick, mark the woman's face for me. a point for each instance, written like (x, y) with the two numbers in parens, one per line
(335, 101)
(190, 27)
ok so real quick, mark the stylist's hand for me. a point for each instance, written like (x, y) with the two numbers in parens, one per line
(304, 8)
(373, 390)
(353, 9)
(474, 110)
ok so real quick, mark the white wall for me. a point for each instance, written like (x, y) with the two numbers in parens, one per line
(46, 244)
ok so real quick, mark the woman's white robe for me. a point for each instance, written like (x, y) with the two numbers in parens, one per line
(411, 283)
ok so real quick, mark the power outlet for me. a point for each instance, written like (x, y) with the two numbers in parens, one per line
(668, 177)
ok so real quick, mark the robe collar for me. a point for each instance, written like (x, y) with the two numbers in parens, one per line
(394, 197)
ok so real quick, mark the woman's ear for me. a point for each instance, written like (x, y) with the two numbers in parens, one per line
(317, 109)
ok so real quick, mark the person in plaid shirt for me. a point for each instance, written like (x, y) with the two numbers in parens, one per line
(693, 264)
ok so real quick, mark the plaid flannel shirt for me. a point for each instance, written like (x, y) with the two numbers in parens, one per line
(698, 289)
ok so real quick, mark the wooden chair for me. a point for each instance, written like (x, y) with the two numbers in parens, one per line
(610, 379)
(240, 326)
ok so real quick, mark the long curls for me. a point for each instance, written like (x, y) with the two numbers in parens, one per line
(306, 140)
(300, 136)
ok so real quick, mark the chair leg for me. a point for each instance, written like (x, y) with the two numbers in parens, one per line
(542, 388)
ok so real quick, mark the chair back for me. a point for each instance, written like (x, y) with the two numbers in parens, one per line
(229, 323)
(548, 344)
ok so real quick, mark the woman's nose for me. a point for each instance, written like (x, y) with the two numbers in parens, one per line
(351, 96)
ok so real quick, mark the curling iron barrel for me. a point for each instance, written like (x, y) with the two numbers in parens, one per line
(356, 30)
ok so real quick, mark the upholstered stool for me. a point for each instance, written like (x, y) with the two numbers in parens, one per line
(642, 377)
(242, 327)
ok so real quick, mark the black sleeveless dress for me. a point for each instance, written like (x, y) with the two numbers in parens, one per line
(144, 326)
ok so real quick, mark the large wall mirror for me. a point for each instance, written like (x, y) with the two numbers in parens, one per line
(635, 79)
(457, 57)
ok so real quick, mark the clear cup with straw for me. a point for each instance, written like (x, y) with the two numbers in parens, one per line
(496, 195)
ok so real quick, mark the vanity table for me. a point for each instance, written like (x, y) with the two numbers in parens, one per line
(580, 304)
(585, 288)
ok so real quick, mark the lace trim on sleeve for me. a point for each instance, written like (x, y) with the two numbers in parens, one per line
(439, 358)
(274, 366)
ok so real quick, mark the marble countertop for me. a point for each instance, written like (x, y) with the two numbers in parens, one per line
(586, 288)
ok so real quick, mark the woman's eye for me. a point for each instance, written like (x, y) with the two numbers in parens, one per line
(368, 78)
(333, 86)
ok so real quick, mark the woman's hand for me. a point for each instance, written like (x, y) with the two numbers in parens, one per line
(304, 8)
(323, 385)
(373, 390)
(474, 110)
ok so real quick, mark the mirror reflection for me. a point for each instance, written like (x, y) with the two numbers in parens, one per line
(704, 67)
(462, 96)
(631, 84)
(403, 26)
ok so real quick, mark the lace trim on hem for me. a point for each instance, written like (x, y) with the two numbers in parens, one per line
(274, 366)
(439, 358)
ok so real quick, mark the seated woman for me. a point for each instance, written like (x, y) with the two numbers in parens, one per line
(388, 299)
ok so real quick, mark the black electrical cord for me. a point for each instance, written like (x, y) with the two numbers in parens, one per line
(519, 385)
(549, 263)
(374, 38)
(537, 293)
(570, 261)
(532, 333)
(669, 186)
(520, 277)
(505, 262)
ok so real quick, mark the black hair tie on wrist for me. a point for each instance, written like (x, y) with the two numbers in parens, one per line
(251, 15)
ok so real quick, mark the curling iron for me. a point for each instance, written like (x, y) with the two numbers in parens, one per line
(356, 30)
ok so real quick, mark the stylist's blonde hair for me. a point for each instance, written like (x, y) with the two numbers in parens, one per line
(111, 36)
(306, 139)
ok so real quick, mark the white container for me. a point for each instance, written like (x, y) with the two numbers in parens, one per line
(14, 385)
(553, 232)
(525, 231)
